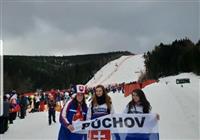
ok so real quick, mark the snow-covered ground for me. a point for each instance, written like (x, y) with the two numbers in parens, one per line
(33, 127)
(125, 69)
(178, 106)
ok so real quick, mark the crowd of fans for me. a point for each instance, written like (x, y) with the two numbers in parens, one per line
(18, 105)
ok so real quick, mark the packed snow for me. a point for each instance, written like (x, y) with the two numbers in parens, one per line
(178, 106)
(125, 69)
(34, 127)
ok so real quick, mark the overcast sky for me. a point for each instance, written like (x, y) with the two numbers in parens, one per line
(81, 27)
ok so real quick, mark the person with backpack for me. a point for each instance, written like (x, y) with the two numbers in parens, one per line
(13, 109)
(74, 110)
(101, 104)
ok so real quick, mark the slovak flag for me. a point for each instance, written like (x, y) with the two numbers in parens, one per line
(99, 135)
(80, 88)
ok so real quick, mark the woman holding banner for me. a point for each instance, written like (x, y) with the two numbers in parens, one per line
(74, 110)
(101, 104)
(139, 105)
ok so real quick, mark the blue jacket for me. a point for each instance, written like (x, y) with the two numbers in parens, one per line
(66, 118)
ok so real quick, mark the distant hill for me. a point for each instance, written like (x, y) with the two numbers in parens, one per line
(181, 56)
(124, 69)
(27, 73)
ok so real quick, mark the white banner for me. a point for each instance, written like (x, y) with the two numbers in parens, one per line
(120, 123)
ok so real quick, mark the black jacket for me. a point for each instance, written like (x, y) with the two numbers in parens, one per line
(51, 104)
(6, 106)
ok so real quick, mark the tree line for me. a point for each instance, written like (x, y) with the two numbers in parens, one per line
(170, 59)
(28, 73)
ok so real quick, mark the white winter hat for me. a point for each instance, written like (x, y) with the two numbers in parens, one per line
(14, 96)
(80, 88)
(7, 96)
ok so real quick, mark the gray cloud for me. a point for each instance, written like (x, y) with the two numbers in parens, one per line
(69, 28)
